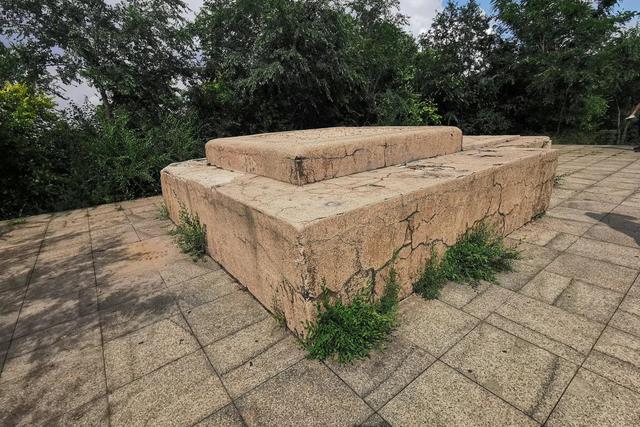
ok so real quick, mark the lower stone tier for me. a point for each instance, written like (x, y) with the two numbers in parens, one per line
(285, 243)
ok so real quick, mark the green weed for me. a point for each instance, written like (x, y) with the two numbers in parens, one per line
(190, 235)
(347, 332)
(538, 216)
(16, 221)
(163, 212)
(477, 256)
(432, 278)
(278, 314)
(559, 179)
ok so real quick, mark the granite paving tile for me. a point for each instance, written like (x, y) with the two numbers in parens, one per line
(241, 347)
(224, 316)
(45, 393)
(225, 417)
(203, 289)
(452, 399)
(181, 393)
(609, 252)
(616, 356)
(627, 317)
(592, 302)
(133, 355)
(433, 325)
(308, 394)
(528, 377)
(549, 327)
(385, 373)
(592, 400)
(270, 362)
(600, 273)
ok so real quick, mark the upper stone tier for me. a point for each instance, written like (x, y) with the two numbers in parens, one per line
(306, 156)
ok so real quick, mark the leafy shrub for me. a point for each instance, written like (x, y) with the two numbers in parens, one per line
(347, 332)
(123, 161)
(477, 256)
(191, 236)
(32, 143)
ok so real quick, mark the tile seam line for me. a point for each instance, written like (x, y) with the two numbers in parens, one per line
(439, 359)
(236, 367)
(243, 394)
(204, 353)
(587, 356)
(104, 360)
(324, 363)
(138, 378)
(598, 222)
(484, 320)
(24, 296)
(135, 230)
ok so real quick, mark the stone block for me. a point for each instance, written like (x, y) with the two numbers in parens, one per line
(303, 157)
(286, 242)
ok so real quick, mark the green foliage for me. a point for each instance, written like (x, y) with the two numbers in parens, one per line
(562, 62)
(455, 68)
(30, 179)
(432, 278)
(477, 256)
(568, 68)
(558, 179)
(123, 161)
(191, 236)
(163, 212)
(132, 52)
(57, 165)
(346, 332)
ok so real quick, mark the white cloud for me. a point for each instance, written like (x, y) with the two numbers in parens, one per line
(420, 13)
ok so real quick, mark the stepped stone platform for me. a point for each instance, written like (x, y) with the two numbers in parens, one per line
(303, 157)
(315, 221)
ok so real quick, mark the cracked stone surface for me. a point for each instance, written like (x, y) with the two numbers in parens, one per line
(286, 243)
(165, 342)
(306, 156)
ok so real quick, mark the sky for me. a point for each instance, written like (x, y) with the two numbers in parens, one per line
(420, 13)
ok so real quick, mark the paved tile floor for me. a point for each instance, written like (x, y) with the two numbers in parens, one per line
(104, 322)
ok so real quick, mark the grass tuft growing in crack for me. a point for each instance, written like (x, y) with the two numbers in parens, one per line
(432, 278)
(559, 179)
(347, 332)
(477, 256)
(190, 235)
(163, 212)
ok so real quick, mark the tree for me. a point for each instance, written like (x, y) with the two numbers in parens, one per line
(560, 53)
(454, 67)
(133, 52)
(27, 123)
(276, 64)
(386, 62)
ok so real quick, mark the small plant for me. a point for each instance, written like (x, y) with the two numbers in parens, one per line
(559, 179)
(16, 221)
(477, 256)
(163, 211)
(347, 332)
(432, 278)
(278, 314)
(538, 216)
(191, 235)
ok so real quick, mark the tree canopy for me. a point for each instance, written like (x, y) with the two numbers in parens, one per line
(168, 78)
